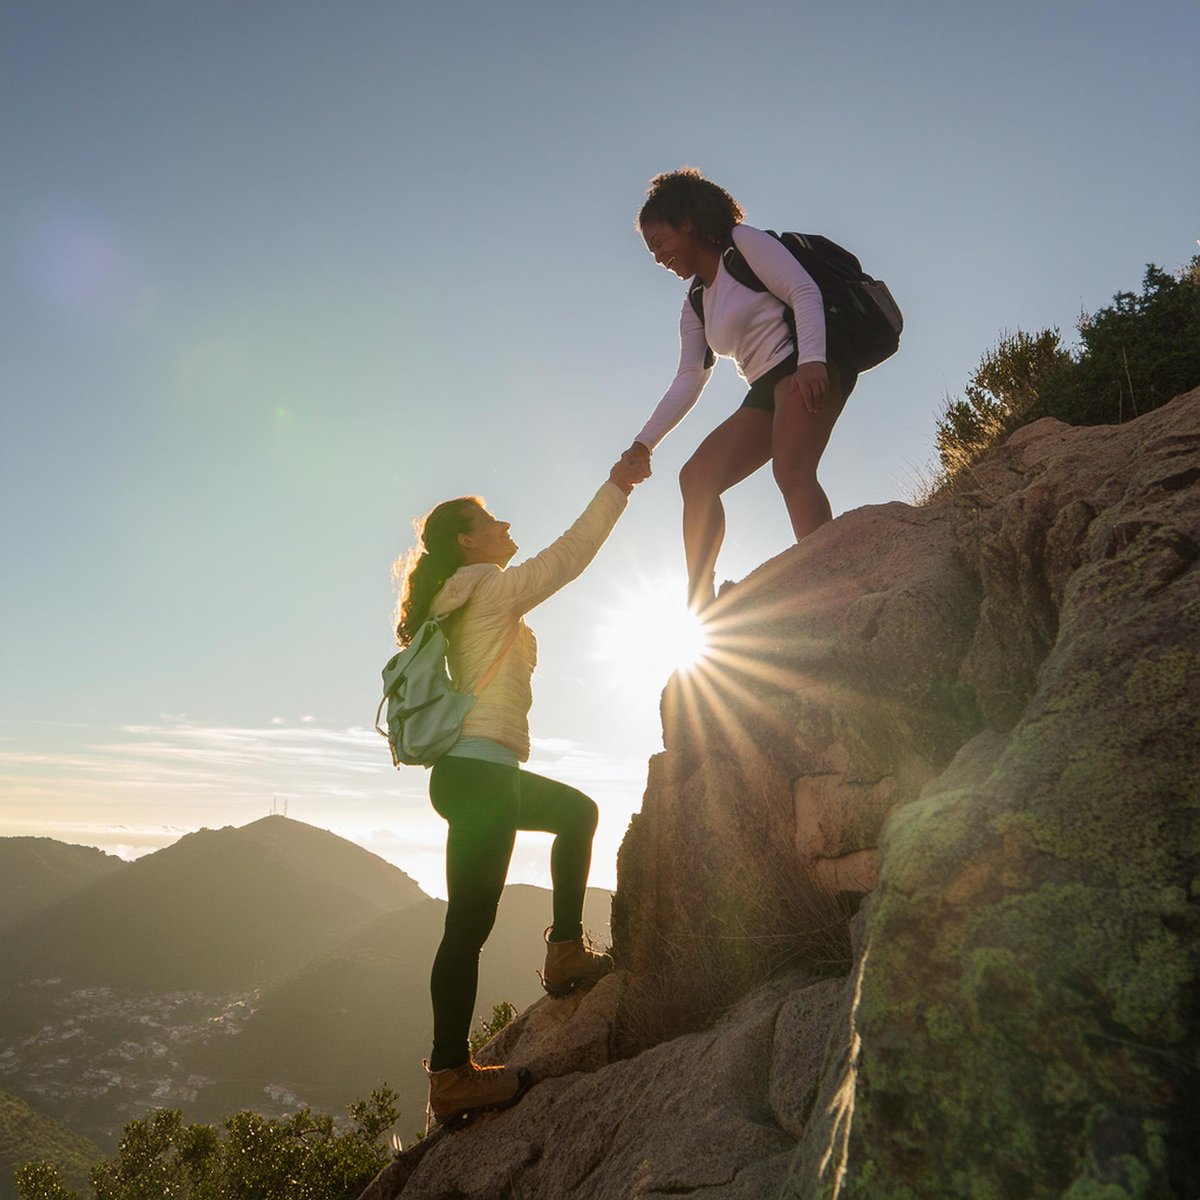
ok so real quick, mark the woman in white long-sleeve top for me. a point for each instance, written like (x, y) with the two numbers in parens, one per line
(460, 574)
(777, 338)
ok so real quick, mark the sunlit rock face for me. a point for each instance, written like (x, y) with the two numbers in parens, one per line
(991, 707)
(830, 697)
(981, 716)
(1029, 990)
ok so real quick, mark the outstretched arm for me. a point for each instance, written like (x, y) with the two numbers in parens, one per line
(525, 586)
(685, 389)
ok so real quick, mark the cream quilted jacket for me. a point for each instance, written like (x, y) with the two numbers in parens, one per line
(487, 600)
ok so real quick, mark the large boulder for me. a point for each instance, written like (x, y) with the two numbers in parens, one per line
(1025, 1004)
(981, 715)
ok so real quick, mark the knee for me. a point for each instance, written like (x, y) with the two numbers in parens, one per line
(695, 481)
(793, 475)
(468, 924)
(589, 817)
(581, 821)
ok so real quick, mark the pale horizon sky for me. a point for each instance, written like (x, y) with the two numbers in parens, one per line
(276, 278)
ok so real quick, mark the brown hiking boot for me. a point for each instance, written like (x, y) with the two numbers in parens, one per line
(459, 1094)
(572, 966)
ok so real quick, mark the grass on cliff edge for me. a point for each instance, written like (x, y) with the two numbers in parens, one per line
(1132, 356)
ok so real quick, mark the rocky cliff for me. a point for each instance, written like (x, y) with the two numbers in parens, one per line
(981, 716)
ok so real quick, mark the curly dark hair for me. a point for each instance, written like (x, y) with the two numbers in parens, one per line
(678, 196)
(421, 572)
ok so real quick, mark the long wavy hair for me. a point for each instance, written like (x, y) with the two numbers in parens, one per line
(420, 573)
(678, 196)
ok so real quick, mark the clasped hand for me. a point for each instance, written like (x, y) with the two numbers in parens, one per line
(631, 468)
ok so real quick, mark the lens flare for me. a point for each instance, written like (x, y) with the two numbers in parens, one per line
(649, 634)
(688, 644)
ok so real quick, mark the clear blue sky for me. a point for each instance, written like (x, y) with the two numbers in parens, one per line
(277, 277)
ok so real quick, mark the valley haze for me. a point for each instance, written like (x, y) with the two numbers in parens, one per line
(266, 967)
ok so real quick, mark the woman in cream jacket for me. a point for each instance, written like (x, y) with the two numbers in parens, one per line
(460, 574)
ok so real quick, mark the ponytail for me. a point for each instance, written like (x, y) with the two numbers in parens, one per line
(421, 572)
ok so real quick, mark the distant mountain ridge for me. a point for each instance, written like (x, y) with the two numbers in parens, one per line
(220, 909)
(360, 1016)
(264, 968)
(37, 873)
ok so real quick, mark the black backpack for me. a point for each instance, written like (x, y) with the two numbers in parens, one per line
(862, 321)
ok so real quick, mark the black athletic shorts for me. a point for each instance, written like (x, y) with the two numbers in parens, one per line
(762, 390)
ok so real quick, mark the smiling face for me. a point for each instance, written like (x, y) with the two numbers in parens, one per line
(680, 250)
(487, 541)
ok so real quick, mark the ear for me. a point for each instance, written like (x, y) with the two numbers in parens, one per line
(466, 541)
(687, 226)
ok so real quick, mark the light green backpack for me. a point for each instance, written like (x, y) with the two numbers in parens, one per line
(424, 713)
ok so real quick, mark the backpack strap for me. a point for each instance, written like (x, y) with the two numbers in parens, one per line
(696, 299)
(739, 269)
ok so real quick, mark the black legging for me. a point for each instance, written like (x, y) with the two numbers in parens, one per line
(485, 804)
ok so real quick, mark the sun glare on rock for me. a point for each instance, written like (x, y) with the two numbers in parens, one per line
(650, 634)
(689, 641)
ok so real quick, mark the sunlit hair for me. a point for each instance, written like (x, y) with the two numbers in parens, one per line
(420, 573)
(678, 196)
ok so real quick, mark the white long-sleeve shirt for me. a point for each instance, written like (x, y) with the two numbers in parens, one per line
(744, 325)
(488, 600)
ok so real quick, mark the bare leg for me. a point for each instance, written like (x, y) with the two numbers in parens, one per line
(799, 438)
(734, 450)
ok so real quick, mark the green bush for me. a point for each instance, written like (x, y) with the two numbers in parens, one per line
(1006, 391)
(1132, 356)
(502, 1014)
(1137, 353)
(250, 1157)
